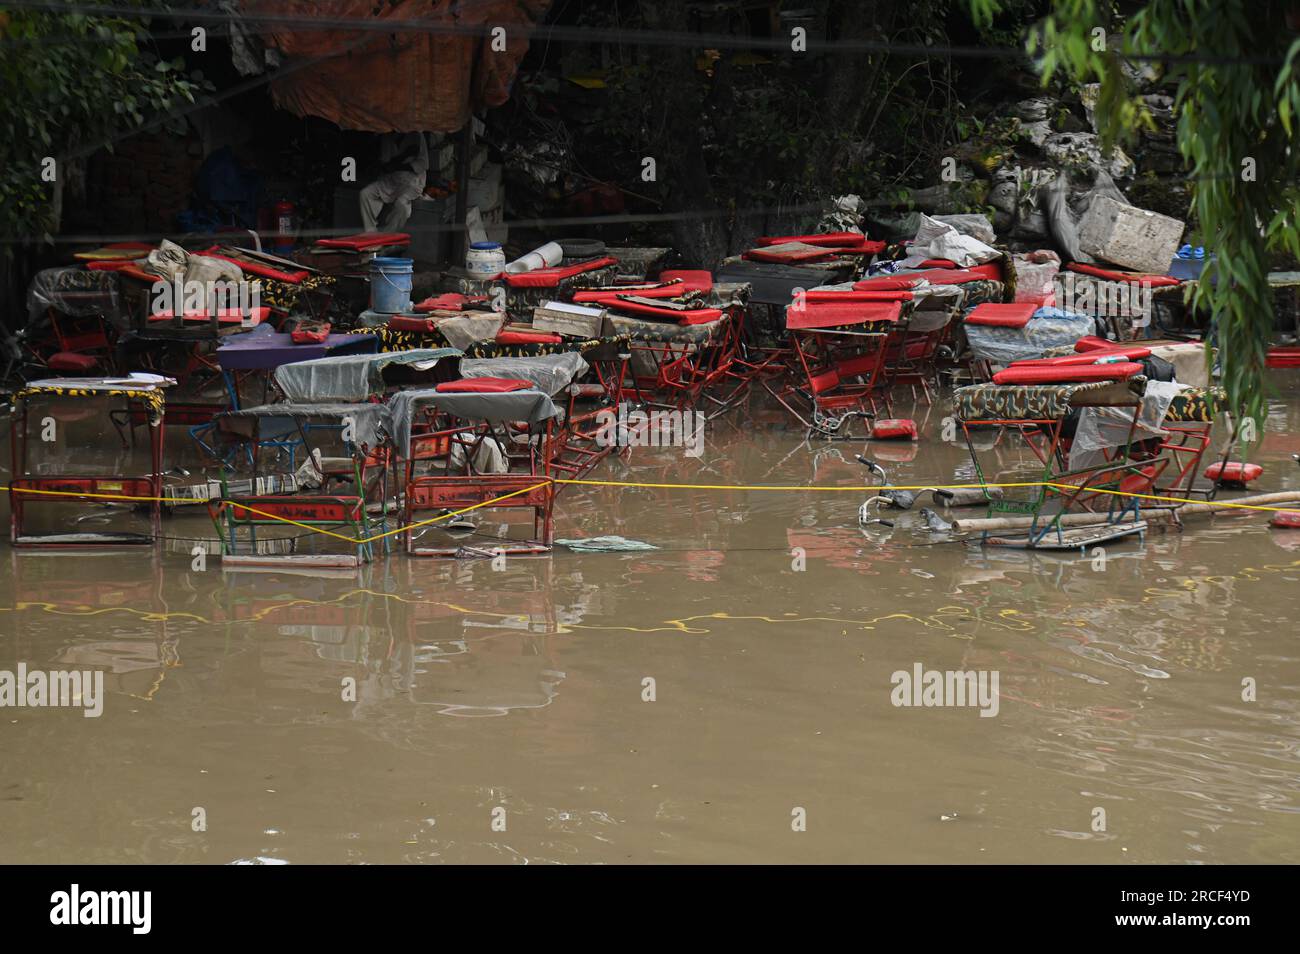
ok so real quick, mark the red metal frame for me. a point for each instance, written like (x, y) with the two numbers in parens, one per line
(366, 468)
(830, 360)
(1186, 442)
(427, 493)
(684, 372)
(230, 515)
(75, 488)
(1045, 439)
(911, 357)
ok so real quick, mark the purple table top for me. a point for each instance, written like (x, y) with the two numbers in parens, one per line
(264, 349)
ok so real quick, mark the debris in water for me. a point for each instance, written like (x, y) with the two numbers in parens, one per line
(605, 544)
(934, 522)
(902, 499)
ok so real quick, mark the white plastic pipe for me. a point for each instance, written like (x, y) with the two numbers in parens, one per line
(543, 257)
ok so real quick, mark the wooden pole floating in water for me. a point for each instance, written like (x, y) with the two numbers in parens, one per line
(1155, 513)
(1258, 500)
(980, 524)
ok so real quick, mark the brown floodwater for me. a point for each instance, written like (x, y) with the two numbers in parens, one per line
(523, 689)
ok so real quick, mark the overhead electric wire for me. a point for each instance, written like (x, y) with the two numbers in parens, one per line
(638, 37)
(595, 221)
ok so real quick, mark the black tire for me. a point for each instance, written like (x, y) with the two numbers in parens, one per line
(578, 249)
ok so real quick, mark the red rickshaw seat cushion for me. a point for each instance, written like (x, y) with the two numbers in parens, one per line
(483, 386)
(528, 337)
(411, 323)
(824, 381)
(70, 361)
(1234, 470)
(1066, 374)
(894, 428)
(1092, 343)
(691, 279)
(862, 364)
(991, 314)
(1138, 482)
(1110, 275)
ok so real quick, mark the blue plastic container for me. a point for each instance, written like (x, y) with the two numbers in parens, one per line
(390, 284)
(1187, 268)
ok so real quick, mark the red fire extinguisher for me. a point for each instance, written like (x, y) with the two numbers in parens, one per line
(286, 226)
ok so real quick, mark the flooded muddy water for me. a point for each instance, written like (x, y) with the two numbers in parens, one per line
(770, 625)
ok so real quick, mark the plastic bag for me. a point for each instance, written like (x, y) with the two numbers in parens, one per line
(73, 291)
(1035, 275)
(935, 239)
(1065, 200)
(1049, 328)
(971, 223)
(1103, 428)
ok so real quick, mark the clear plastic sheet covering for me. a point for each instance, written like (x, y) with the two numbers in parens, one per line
(1035, 274)
(935, 307)
(728, 295)
(368, 420)
(469, 328)
(352, 377)
(530, 407)
(549, 373)
(947, 294)
(923, 321)
(1049, 328)
(76, 292)
(1104, 428)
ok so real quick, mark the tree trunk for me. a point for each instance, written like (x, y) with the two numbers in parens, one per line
(851, 88)
(700, 233)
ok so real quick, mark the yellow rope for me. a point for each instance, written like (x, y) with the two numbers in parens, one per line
(747, 487)
(454, 513)
(657, 486)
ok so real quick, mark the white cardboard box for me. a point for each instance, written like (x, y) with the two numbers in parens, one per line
(568, 319)
(1128, 236)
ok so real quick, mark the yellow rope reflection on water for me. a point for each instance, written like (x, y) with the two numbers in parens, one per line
(941, 618)
(169, 616)
(153, 616)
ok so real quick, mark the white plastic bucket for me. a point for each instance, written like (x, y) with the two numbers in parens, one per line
(485, 258)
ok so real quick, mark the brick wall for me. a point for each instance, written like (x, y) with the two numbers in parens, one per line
(141, 186)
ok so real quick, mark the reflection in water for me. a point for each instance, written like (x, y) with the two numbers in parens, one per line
(767, 626)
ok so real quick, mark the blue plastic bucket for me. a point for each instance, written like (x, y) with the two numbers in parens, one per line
(390, 284)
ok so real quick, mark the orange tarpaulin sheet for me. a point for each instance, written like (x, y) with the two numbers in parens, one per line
(417, 78)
